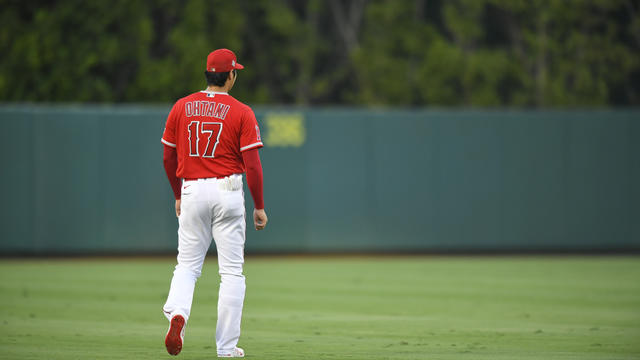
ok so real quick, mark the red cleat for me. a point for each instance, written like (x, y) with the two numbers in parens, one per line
(175, 335)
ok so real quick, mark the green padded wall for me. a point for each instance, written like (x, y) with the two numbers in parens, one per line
(89, 179)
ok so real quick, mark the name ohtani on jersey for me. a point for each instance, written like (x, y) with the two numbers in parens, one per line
(206, 108)
(210, 131)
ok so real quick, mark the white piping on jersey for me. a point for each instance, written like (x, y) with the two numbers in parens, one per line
(167, 143)
(251, 146)
(214, 92)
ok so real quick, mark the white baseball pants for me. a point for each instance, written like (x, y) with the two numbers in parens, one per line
(211, 208)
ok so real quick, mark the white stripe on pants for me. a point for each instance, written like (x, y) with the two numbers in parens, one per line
(211, 208)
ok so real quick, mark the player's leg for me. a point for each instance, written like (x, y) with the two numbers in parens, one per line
(194, 239)
(229, 234)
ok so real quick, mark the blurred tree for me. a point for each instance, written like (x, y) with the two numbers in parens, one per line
(572, 52)
(392, 50)
(184, 33)
(72, 50)
(532, 53)
(498, 52)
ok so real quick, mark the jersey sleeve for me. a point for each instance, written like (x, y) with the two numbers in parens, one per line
(169, 135)
(249, 132)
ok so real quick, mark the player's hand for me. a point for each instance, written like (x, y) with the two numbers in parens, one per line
(178, 208)
(260, 218)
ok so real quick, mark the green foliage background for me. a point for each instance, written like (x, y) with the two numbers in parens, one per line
(525, 53)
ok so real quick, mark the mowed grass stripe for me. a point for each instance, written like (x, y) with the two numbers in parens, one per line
(332, 308)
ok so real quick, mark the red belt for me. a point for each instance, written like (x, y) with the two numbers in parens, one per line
(213, 177)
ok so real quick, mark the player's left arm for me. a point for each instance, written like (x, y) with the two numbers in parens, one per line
(170, 154)
(170, 160)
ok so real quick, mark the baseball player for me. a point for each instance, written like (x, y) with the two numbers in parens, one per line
(210, 140)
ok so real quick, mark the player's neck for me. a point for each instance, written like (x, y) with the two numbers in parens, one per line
(219, 89)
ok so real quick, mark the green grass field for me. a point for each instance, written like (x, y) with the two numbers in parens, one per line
(332, 308)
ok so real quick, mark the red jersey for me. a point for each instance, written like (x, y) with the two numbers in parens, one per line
(210, 130)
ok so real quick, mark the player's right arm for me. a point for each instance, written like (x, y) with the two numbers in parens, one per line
(250, 142)
(259, 219)
(253, 168)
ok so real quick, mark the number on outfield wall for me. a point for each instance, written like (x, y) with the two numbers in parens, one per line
(210, 130)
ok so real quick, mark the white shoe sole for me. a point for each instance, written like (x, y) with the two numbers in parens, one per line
(237, 353)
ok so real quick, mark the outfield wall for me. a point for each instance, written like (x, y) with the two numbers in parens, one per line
(89, 179)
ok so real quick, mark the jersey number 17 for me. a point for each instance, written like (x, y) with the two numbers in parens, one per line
(210, 130)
